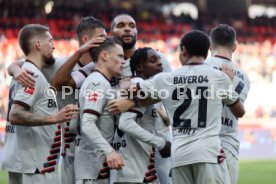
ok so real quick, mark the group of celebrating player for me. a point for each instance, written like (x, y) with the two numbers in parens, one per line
(111, 130)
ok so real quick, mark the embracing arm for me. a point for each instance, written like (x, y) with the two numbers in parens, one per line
(22, 75)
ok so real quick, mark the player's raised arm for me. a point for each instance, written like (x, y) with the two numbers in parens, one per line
(63, 76)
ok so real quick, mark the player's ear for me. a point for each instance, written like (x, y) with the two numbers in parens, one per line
(139, 68)
(37, 44)
(84, 38)
(234, 47)
(185, 52)
(104, 55)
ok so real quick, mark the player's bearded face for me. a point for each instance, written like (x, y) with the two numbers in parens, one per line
(49, 60)
(128, 41)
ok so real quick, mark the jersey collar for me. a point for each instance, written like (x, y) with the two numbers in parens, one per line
(101, 74)
(29, 61)
(222, 57)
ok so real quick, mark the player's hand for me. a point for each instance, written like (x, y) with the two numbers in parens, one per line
(166, 151)
(228, 71)
(114, 160)
(221, 156)
(24, 77)
(95, 42)
(67, 113)
(120, 105)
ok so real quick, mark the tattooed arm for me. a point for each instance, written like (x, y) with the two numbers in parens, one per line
(19, 115)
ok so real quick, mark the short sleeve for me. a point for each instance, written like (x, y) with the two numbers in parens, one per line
(80, 75)
(26, 96)
(94, 99)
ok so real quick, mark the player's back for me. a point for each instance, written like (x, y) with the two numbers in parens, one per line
(241, 84)
(194, 108)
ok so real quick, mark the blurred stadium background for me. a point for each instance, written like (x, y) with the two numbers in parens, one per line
(160, 24)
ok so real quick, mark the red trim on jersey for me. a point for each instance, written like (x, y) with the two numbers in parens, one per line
(67, 145)
(150, 172)
(55, 145)
(52, 157)
(151, 166)
(26, 106)
(150, 179)
(90, 111)
(47, 170)
(58, 132)
(69, 134)
(54, 151)
(50, 163)
(66, 129)
(68, 140)
(58, 138)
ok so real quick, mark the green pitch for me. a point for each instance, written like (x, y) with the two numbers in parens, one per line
(251, 172)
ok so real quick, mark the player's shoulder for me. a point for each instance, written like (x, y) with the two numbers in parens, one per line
(37, 73)
(97, 80)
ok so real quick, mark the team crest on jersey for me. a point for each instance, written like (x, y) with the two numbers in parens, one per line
(29, 90)
(93, 96)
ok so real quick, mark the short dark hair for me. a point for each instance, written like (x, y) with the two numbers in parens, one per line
(113, 23)
(88, 25)
(223, 35)
(107, 44)
(139, 57)
(27, 33)
(196, 42)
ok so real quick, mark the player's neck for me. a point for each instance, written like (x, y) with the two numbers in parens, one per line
(194, 60)
(224, 53)
(129, 52)
(36, 60)
(103, 71)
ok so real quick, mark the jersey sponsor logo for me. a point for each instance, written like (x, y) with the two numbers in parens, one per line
(226, 122)
(118, 145)
(29, 90)
(93, 96)
(51, 103)
(10, 129)
(190, 79)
